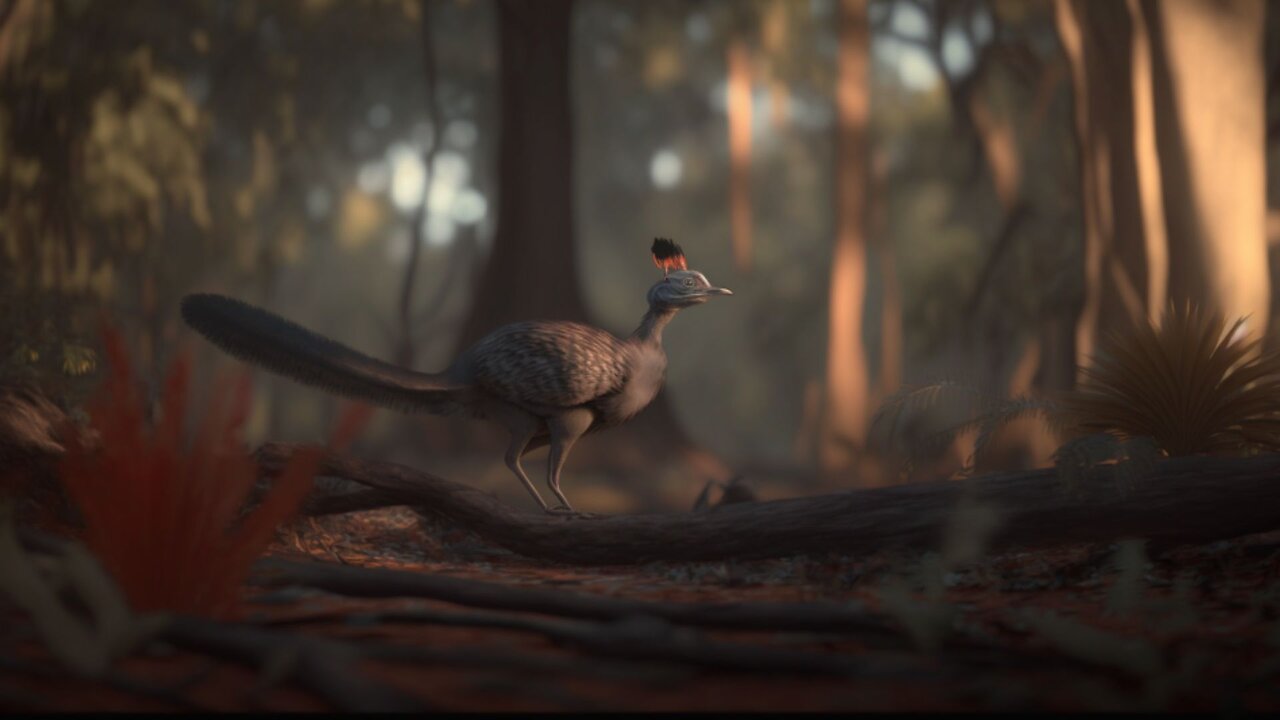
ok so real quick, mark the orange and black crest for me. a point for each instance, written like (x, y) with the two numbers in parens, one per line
(668, 256)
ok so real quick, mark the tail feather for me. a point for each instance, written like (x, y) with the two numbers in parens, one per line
(284, 347)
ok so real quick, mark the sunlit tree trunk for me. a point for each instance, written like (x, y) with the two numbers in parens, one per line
(847, 385)
(775, 34)
(1147, 158)
(532, 271)
(739, 114)
(1170, 116)
(1210, 117)
(1097, 38)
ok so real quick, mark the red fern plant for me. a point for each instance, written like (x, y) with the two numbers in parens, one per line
(1190, 383)
(162, 515)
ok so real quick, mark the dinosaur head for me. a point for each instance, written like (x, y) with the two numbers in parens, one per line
(680, 286)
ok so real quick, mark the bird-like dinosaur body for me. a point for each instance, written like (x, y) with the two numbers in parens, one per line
(547, 382)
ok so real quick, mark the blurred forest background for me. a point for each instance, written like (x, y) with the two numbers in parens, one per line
(898, 192)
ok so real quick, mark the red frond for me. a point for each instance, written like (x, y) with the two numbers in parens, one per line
(351, 421)
(162, 512)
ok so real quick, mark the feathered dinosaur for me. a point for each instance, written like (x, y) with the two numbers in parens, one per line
(547, 382)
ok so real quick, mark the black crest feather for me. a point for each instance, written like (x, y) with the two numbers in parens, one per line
(668, 256)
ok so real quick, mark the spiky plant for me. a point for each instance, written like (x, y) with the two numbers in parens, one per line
(163, 515)
(1191, 383)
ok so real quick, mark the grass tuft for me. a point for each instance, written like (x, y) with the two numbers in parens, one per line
(1191, 384)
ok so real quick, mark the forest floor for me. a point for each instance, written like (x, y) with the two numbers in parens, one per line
(1079, 628)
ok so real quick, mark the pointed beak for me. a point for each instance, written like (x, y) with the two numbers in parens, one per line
(719, 291)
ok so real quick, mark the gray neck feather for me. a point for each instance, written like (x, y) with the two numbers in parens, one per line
(650, 330)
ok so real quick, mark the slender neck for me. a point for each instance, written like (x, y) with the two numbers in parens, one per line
(650, 330)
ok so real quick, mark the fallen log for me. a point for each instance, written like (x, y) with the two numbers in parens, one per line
(1185, 500)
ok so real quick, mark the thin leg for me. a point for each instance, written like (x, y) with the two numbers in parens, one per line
(539, 440)
(564, 430)
(521, 434)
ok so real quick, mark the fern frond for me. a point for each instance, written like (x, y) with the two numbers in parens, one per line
(1001, 414)
(993, 414)
(914, 399)
(906, 407)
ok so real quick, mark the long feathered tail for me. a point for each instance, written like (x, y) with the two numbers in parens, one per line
(269, 341)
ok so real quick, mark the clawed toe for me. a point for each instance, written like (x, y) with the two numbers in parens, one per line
(565, 511)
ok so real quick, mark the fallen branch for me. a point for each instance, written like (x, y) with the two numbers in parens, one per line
(1186, 500)
(825, 619)
(646, 639)
(326, 667)
(352, 581)
(116, 680)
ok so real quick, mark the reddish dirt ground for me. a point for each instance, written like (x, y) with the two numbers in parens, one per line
(1194, 629)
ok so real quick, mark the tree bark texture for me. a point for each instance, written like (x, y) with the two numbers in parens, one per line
(532, 271)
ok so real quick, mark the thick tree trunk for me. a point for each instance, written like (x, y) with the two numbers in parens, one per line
(1170, 117)
(532, 271)
(1210, 117)
(846, 413)
(1186, 500)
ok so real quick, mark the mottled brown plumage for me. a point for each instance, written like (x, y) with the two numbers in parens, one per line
(547, 382)
(541, 364)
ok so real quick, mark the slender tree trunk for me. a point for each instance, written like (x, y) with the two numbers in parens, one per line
(1147, 157)
(532, 271)
(891, 337)
(1097, 38)
(1210, 116)
(847, 384)
(739, 114)
(406, 345)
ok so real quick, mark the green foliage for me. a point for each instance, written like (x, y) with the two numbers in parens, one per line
(143, 153)
(78, 360)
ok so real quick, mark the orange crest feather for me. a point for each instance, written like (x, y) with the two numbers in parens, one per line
(668, 256)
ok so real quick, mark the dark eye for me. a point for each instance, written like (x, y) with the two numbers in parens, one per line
(688, 282)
